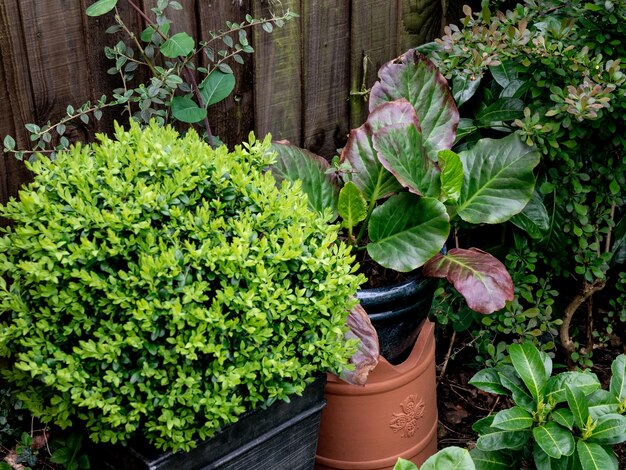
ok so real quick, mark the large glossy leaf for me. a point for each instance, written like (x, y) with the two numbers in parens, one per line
(554, 440)
(187, 110)
(414, 77)
(602, 402)
(294, 163)
(450, 458)
(578, 404)
(451, 175)
(368, 352)
(406, 231)
(610, 429)
(400, 150)
(489, 381)
(534, 217)
(618, 378)
(389, 113)
(557, 385)
(464, 86)
(497, 439)
(479, 277)
(511, 380)
(490, 460)
(351, 206)
(564, 417)
(499, 179)
(180, 44)
(544, 462)
(502, 110)
(504, 73)
(513, 419)
(594, 457)
(529, 366)
(370, 176)
(216, 86)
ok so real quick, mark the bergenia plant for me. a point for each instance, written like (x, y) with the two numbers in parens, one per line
(399, 186)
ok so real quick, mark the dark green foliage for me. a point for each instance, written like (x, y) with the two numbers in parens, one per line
(153, 285)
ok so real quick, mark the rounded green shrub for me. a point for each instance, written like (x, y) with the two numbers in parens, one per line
(152, 285)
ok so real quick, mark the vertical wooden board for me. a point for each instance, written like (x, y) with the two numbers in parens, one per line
(419, 21)
(59, 73)
(16, 96)
(277, 76)
(326, 75)
(233, 118)
(374, 41)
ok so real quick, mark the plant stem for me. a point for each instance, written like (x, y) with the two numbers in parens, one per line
(448, 354)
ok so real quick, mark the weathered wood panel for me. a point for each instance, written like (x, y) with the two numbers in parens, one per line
(304, 83)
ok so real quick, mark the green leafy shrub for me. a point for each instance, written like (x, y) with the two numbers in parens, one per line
(450, 458)
(153, 285)
(560, 421)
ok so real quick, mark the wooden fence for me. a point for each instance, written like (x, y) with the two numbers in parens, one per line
(302, 83)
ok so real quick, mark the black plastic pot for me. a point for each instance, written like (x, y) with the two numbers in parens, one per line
(281, 437)
(397, 312)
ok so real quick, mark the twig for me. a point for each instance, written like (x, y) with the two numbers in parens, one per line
(447, 358)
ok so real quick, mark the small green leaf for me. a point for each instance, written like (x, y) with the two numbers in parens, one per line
(489, 381)
(187, 110)
(490, 460)
(146, 34)
(451, 175)
(403, 464)
(101, 7)
(578, 404)
(352, 206)
(181, 44)
(450, 458)
(9, 143)
(216, 87)
(564, 417)
(618, 379)
(498, 439)
(513, 419)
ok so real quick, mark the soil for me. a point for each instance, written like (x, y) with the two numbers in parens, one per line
(460, 405)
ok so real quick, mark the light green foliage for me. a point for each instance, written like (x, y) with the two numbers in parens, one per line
(450, 458)
(152, 284)
(557, 421)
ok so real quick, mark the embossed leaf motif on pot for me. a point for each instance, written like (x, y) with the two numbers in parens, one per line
(412, 411)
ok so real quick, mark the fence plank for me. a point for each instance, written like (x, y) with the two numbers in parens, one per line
(277, 77)
(326, 74)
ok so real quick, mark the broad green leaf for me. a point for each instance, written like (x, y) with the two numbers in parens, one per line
(497, 439)
(486, 460)
(513, 419)
(528, 364)
(554, 439)
(294, 163)
(403, 464)
(100, 7)
(414, 77)
(586, 381)
(406, 231)
(547, 363)
(610, 429)
(543, 461)
(594, 457)
(400, 150)
(466, 127)
(216, 86)
(483, 425)
(519, 393)
(180, 44)
(464, 86)
(564, 417)
(480, 278)
(499, 180)
(602, 402)
(618, 377)
(450, 458)
(534, 217)
(371, 177)
(187, 110)
(504, 73)
(489, 381)
(503, 110)
(392, 113)
(451, 175)
(578, 404)
(352, 207)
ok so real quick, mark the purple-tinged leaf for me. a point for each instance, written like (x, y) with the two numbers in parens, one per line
(415, 78)
(400, 150)
(294, 163)
(406, 231)
(368, 174)
(399, 111)
(478, 276)
(366, 357)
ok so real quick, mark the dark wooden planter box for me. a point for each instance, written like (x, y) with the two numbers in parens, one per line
(281, 437)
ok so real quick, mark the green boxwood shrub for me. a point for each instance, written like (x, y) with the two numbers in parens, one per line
(150, 284)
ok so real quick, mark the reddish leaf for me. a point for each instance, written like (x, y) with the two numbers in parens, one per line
(479, 277)
(366, 358)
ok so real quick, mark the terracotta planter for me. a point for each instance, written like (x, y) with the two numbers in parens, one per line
(393, 415)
